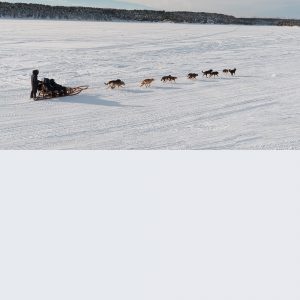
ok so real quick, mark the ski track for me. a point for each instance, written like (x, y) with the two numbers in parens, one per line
(257, 109)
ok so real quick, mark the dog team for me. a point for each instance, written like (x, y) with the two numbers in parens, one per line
(147, 82)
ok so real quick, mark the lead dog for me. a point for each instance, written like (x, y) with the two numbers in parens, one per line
(232, 72)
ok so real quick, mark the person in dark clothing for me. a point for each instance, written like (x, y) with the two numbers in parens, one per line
(34, 83)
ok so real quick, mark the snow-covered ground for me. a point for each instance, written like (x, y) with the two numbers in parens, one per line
(257, 109)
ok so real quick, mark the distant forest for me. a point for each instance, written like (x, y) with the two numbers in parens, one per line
(38, 11)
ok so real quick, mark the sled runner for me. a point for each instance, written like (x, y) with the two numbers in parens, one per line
(46, 93)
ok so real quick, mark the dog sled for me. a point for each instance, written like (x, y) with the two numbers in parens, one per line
(54, 90)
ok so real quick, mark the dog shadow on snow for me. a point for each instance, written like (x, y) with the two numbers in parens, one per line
(91, 100)
(166, 88)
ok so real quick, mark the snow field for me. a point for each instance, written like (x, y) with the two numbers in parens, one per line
(257, 109)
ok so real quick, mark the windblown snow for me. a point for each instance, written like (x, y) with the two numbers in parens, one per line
(259, 108)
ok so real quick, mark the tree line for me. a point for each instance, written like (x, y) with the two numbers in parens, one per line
(39, 11)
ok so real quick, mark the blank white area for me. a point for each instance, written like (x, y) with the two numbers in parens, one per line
(145, 226)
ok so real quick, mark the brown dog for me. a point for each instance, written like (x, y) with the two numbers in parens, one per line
(192, 76)
(226, 71)
(147, 82)
(115, 83)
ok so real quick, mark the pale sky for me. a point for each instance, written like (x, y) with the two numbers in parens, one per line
(239, 8)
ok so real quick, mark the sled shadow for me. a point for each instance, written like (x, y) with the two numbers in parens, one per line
(91, 100)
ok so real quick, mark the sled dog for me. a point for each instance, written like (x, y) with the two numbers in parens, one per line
(232, 72)
(206, 73)
(168, 78)
(192, 76)
(214, 74)
(115, 83)
(165, 78)
(147, 82)
(172, 78)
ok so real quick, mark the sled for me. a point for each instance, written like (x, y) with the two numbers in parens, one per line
(44, 94)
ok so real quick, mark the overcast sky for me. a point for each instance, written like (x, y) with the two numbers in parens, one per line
(240, 8)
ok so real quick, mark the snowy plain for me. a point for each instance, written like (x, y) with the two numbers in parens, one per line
(257, 109)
